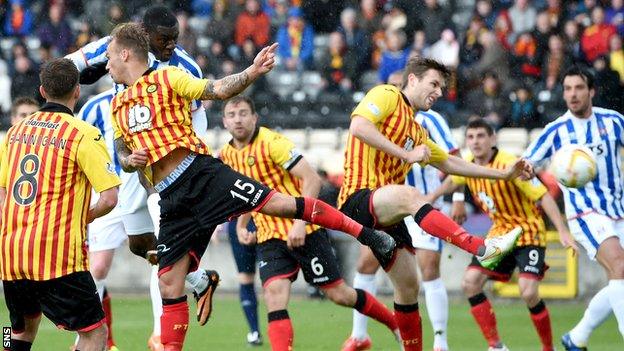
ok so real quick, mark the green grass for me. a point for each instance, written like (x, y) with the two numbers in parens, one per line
(319, 325)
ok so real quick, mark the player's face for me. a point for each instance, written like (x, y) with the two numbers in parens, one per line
(115, 62)
(239, 120)
(479, 142)
(577, 95)
(162, 41)
(426, 90)
(23, 111)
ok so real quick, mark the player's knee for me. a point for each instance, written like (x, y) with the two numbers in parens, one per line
(340, 296)
(430, 272)
(408, 287)
(470, 287)
(99, 270)
(530, 295)
(617, 268)
(409, 200)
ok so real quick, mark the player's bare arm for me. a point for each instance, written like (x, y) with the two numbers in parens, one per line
(232, 85)
(131, 161)
(310, 187)
(458, 166)
(549, 206)
(366, 131)
(105, 204)
(245, 237)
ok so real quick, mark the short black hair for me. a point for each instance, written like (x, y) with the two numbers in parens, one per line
(581, 71)
(480, 123)
(22, 100)
(59, 77)
(159, 16)
(418, 66)
(241, 98)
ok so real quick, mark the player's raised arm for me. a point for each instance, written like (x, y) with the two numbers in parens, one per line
(457, 166)
(232, 85)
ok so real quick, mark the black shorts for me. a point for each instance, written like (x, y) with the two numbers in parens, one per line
(359, 206)
(530, 261)
(70, 302)
(207, 194)
(244, 255)
(316, 258)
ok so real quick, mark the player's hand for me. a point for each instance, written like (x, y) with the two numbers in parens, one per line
(152, 257)
(245, 237)
(458, 211)
(137, 159)
(520, 169)
(567, 241)
(265, 60)
(420, 153)
(296, 235)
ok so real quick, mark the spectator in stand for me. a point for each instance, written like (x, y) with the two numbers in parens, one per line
(356, 39)
(526, 62)
(494, 58)
(56, 31)
(221, 25)
(187, 37)
(595, 38)
(279, 15)
(608, 86)
(395, 56)
(18, 20)
(489, 101)
(25, 80)
(216, 56)
(556, 61)
(470, 49)
(502, 30)
(370, 17)
(616, 56)
(338, 65)
(581, 13)
(572, 41)
(523, 111)
(254, 24)
(434, 19)
(541, 33)
(484, 9)
(615, 15)
(556, 13)
(522, 16)
(446, 50)
(116, 14)
(419, 45)
(296, 42)
(202, 8)
(323, 14)
(45, 54)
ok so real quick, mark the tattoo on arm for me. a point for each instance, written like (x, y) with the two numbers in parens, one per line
(226, 87)
(122, 151)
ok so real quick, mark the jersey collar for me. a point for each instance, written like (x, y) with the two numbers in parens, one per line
(149, 70)
(54, 107)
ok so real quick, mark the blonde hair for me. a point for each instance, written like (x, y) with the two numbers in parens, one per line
(132, 36)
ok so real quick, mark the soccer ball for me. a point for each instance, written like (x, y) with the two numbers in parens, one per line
(573, 166)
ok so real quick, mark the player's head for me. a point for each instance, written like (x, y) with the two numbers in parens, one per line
(480, 137)
(21, 108)
(423, 81)
(59, 82)
(161, 25)
(396, 79)
(128, 47)
(240, 117)
(578, 90)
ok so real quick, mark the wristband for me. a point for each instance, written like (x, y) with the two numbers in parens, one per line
(458, 197)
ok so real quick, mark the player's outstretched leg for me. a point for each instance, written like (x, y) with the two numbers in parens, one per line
(537, 309)
(598, 310)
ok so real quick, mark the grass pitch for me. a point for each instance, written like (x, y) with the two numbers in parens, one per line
(320, 325)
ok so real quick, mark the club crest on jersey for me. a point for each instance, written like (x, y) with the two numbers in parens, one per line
(251, 161)
(152, 88)
(373, 108)
(110, 168)
(409, 144)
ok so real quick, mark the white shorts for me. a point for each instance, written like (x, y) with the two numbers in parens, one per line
(591, 229)
(106, 232)
(133, 205)
(420, 238)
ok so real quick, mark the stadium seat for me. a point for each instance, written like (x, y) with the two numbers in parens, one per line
(297, 136)
(325, 138)
(283, 83)
(516, 137)
(369, 79)
(458, 135)
(311, 83)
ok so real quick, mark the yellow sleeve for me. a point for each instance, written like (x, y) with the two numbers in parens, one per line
(379, 103)
(4, 169)
(116, 130)
(95, 162)
(184, 84)
(532, 189)
(437, 154)
(283, 151)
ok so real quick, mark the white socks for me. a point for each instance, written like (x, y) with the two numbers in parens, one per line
(365, 282)
(436, 300)
(100, 285)
(596, 313)
(616, 298)
(156, 299)
(198, 279)
(154, 211)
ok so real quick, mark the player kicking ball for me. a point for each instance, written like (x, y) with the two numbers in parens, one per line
(508, 204)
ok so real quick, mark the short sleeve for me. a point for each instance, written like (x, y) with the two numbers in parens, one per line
(90, 54)
(532, 189)
(95, 162)
(437, 153)
(184, 83)
(379, 103)
(284, 152)
(116, 129)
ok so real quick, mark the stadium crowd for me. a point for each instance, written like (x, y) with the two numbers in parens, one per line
(506, 56)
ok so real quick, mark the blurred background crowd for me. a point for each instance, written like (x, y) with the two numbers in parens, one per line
(507, 56)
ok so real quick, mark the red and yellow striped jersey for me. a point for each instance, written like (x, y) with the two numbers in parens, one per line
(154, 113)
(368, 168)
(267, 159)
(509, 203)
(49, 164)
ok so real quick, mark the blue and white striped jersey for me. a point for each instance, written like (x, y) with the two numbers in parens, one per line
(95, 52)
(96, 112)
(603, 133)
(426, 179)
